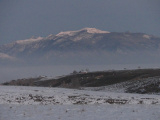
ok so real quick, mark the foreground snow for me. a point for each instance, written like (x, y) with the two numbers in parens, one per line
(44, 96)
(39, 103)
(79, 112)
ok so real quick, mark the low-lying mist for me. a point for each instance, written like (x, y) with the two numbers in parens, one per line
(17, 72)
(66, 64)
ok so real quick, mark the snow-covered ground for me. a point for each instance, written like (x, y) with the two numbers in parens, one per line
(39, 103)
(43, 96)
(79, 112)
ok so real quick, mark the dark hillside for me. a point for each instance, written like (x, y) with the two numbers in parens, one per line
(91, 79)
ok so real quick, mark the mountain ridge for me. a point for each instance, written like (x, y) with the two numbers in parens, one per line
(87, 41)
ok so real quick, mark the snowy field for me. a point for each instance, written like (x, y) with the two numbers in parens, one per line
(79, 112)
(39, 103)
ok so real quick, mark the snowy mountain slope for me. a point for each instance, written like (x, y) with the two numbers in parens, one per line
(88, 43)
(87, 39)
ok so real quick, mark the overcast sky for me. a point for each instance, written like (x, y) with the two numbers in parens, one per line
(21, 19)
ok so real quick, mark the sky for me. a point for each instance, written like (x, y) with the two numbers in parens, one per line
(22, 19)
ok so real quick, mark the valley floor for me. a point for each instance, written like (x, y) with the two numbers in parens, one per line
(39, 103)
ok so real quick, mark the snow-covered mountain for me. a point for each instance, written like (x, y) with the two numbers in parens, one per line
(83, 44)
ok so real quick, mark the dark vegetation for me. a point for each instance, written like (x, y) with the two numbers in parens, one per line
(96, 79)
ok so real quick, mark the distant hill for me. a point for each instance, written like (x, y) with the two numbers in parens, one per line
(85, 46)
(132, 81)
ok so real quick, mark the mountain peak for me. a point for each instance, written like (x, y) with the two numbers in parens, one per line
(88, 30)
(94, 30)
(69, 33)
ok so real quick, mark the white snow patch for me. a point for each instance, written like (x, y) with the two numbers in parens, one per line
(69, 33)
(89, 30)
(51, 36)
(146, 36)
(94, 30)
(27, 41)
